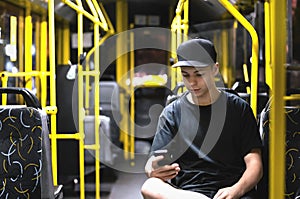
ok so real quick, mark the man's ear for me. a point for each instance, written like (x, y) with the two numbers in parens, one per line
(216, 69)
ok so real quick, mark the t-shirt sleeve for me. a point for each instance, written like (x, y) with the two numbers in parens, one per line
(165, 129)
(250, 137)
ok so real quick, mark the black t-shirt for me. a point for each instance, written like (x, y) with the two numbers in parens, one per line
(208, 142)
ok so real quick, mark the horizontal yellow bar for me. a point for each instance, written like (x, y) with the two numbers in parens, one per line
(92, 146)
(292, 97)
(23, 74)
(66, 136)
(92, 73)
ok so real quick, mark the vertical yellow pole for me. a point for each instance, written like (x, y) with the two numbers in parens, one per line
(96, 97)
(52, 86)
(28, 44)
(66, 43)
(13, 41)
(268, 69)
(80, 100)
(4, 85)
(185, 19)
(13, 36)
(277, 118)
(132, 110)
(172, 71)
(122, 67)
(179, 28)
(43, 58)
(225, 65)
(21, 45)
(37, 66)
(59, 46)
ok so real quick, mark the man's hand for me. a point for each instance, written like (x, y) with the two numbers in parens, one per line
(228, 193)
(165, 172)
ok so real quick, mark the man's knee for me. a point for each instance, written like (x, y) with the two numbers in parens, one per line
(150, 189)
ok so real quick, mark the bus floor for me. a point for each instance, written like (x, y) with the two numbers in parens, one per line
(123, 180)
(126, 186)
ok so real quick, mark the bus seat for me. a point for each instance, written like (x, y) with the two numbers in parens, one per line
(67, 114)
(149, 102)
(292, 178)
(110, 98)
(106, 154)
(262, 95)
(26, 168)
(109, 106)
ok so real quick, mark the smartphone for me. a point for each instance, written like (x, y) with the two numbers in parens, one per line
(168, 158)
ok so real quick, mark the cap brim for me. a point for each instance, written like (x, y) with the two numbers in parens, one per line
(191, 64)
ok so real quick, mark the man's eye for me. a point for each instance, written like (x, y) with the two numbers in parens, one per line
(199, 75)
(185, 75)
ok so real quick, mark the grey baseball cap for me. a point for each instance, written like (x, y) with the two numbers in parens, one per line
(197, 53)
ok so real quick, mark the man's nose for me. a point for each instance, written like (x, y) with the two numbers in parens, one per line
(192, 81)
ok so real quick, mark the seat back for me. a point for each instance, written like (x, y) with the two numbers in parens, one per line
(292, 178)
(109, 96)
(149, 102)
(109, 106)
(25, 169)
(109, 99)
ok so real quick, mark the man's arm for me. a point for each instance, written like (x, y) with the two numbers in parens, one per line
(249, 179)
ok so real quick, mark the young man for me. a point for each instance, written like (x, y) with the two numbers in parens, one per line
(210, 137)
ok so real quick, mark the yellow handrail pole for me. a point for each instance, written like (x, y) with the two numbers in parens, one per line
(246, 77)
(292, 97)
(172, 71)
(43, 55)
(65, 43)
(52, 87)
(180, 29)
(59, 45)
(277, 116)
(185, 22)
(21, 43)
(27, 50)
(80, 98)
(37, 55)
(98, 12)
(4, 80)
(122, 67)
(96, 112)
(178, 33)
(111, 29)
(225, 63)
(268, 69)
(80, 9)
(87, 77)
(178, 23)
(13, 38)
(132, 109)
(254, 66)
(92, 6)
(23, 74)
(173, 51)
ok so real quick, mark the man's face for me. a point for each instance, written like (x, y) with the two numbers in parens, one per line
(198, 80)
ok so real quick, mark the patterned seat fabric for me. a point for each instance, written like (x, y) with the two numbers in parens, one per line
(292, 189)
(20, 152)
